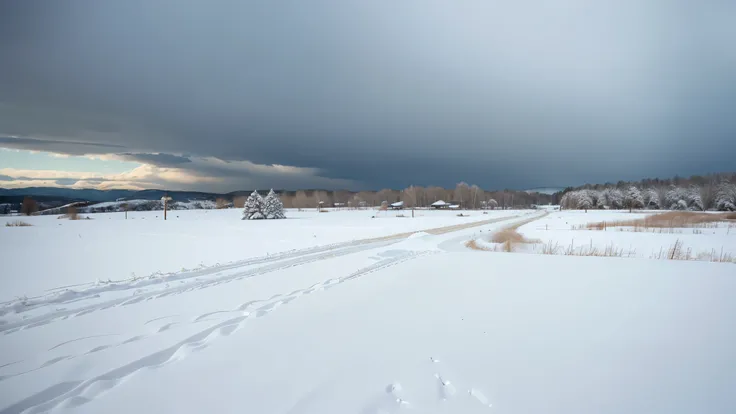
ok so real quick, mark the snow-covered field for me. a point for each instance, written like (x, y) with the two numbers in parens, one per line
(564, 231)
(341, 313)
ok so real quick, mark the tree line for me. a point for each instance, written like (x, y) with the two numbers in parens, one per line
(697, 193)
(465, 195)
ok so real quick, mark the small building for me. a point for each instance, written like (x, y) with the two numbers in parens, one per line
(454, 206)
(440, 204)
(399, 205)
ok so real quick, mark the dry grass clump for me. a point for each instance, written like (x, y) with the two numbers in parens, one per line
(678, 252)
(608, 251)
(18, 223)
(668, 220)
(507, 235)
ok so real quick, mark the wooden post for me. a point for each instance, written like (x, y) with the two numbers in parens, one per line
(165, 199)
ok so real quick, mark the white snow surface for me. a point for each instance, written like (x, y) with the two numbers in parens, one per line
(557, 228)
(410, 323)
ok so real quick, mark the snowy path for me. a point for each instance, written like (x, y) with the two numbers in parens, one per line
(124, 293)
(194, 332)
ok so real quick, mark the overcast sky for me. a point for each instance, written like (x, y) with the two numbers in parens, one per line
(219, 96)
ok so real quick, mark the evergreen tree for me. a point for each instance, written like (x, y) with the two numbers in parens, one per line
(694, 201)
(584, 201)
(615, 198)
(676, 199)
(254, 206)
(651, 199)
(273, 207)
(633, 198)
(726, 196)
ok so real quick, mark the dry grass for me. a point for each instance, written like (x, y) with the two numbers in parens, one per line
(678, 252)
(571, 250)
(508, 235)
(18, 223)
(508, 238)
(668, 220)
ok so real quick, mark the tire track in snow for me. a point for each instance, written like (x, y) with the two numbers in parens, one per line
(72, 394)
(274, 263)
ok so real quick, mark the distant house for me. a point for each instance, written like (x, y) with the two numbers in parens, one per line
(440, 204)
(454, 206)
(397, 205)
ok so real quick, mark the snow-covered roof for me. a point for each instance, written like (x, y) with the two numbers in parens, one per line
(439, 203)
(455, 206)
(397, 204)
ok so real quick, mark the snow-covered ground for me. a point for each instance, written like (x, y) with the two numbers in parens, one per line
(565, 231)
(360, 321)
(57, 253)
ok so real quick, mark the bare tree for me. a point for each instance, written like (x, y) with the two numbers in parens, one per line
(29, 206)
(476, 196)
(239, 201)
(435, 194)
(221, 203)
(303, 201)
(409, 197)
(462, 194)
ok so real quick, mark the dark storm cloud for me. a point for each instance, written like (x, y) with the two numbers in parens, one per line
(51, 145)
(160, 159)
(498, 93)
(5, 178)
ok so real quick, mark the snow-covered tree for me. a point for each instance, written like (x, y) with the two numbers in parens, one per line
(602, 199)
(615, 198)
(673, 198)
(583, 200)
(726, 196)
(651, 198)
(254, 206)
(694, 201)
(594, 197)
(273, 208)
(633, 198)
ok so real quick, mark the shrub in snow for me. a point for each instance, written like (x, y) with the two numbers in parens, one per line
(633, 198)
(254, 207)
(273, 207)
(726, 196)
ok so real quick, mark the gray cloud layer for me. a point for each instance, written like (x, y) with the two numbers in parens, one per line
(499, 93)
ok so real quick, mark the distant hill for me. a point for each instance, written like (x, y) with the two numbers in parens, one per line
(67, 195)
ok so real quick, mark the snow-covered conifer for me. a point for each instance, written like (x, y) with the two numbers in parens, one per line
(651, 199)
(615, 198)
(584, 201)
(273, 207)
(254, 206)
(726, 196)
(633, 198)
(694, 201)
